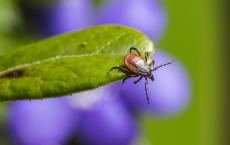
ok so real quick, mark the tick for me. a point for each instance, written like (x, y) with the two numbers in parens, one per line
(137, 66)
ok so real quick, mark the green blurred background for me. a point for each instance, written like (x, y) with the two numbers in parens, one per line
(192, 35)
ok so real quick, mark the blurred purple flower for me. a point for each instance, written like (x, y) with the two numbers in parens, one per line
(104, 120)
(41, 122)
(62, 16)
(109, 124)
(145, 15)
(169, 93)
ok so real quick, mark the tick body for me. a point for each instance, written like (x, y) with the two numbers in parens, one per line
(137, 66)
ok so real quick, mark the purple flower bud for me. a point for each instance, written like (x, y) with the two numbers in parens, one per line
(41, 122)
(105, 120)
(62, 16)
(169, 93)
(145, 15)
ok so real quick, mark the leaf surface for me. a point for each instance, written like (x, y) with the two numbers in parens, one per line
(68, 63)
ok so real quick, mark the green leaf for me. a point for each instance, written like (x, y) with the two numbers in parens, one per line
(68, 63)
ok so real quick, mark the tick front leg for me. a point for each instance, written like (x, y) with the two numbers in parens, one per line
(146, 89)
(130, 76)
(133, 48)
(162, 65)
(151, 63)
(146, 56)
(138, 80)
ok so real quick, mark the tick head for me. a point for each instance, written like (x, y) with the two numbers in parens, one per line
(150, 76)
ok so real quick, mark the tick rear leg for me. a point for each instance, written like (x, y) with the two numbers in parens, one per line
(133, 48)
(146, 89)
(130, 76)
(122, 68)
(138, 80)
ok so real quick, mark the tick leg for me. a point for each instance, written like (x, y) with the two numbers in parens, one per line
(130, 76)
(146, 89)
(146, 56)
(138, 80)
(120, 68)
(133, 48)
(151, 63)
(162, 65)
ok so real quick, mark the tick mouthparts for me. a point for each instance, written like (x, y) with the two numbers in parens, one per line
(152, 78)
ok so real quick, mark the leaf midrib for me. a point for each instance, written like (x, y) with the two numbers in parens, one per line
(52, 59)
